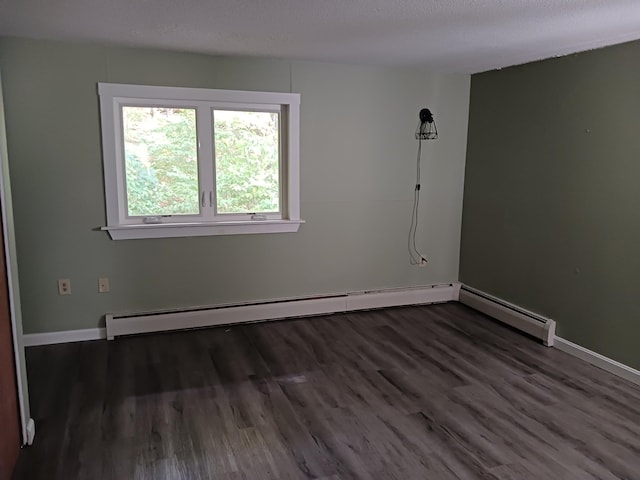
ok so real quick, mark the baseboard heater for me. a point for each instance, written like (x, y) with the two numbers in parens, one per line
(137, 323)
(519, 318)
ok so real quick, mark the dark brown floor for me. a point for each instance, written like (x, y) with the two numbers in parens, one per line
(437, 392)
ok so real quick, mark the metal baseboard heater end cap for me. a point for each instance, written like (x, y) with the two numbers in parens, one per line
(535, 325)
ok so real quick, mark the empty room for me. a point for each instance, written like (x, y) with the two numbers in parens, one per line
(320, 240)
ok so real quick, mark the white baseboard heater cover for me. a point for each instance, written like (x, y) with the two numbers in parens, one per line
(519, 318)
(131, 324)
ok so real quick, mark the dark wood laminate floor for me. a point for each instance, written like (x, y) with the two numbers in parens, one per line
(436, 392)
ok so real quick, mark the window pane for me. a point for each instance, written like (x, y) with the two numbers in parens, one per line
(161, 160)
(247, 150)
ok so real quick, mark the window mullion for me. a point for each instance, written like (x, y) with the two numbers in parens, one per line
(205, 161)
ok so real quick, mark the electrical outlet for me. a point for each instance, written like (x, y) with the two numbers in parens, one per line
(64, 286)
(103, 284)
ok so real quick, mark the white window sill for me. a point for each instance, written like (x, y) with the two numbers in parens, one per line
(169, 230)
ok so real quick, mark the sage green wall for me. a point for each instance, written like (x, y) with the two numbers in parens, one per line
(357, 162)
(552, 195)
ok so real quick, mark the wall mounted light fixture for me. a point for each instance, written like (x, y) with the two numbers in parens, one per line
(427, 129)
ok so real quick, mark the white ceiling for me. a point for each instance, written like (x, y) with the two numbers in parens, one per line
(444, 35)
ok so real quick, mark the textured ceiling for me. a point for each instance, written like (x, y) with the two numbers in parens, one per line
(444, 35)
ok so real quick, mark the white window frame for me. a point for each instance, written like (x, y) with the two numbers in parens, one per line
(122, 227)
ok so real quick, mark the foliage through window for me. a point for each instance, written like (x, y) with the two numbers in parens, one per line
(199, 158)
(247, 152)
(161, 157)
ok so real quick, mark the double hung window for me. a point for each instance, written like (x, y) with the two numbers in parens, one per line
(188, 161)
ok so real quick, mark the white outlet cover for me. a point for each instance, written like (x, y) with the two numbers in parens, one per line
(64, 286)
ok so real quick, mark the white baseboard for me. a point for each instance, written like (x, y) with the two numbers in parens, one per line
(524, 320)
(230, 314)
(167, 321)
(402, 296)
(66, 336)
(322, 306)
(605, 363)
(147, 322)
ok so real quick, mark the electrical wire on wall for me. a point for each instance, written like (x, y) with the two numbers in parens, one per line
(426, 131)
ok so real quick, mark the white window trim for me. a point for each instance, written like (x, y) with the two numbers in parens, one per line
(113, 96)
